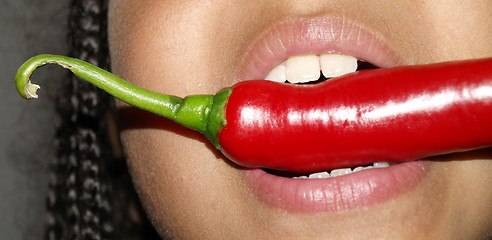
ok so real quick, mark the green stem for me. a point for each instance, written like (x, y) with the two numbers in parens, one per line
(191, 111)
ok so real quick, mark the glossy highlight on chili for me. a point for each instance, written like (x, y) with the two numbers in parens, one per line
(394, 115)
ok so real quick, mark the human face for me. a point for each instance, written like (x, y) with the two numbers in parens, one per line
(191, 191)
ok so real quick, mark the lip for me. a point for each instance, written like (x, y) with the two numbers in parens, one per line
(315, 36)
(361, 189)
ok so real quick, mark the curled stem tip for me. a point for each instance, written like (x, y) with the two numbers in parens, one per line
(191, 111)
(30, 90)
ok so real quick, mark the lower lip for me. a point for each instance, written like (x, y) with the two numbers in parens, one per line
(361, 189)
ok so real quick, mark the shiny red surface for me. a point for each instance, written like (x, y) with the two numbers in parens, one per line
(395, 115)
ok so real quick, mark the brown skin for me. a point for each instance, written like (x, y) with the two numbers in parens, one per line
(187, 47)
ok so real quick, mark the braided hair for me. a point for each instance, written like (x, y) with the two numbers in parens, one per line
(90, 193)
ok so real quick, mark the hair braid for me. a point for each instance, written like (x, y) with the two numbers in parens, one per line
(79, 199)
(90, 194)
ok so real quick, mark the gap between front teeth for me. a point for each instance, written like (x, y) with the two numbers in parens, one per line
(307, 68)
(343, 171)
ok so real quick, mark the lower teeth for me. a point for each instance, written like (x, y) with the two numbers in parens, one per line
(344, 171)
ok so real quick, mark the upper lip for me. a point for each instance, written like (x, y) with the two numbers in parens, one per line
(318, 35)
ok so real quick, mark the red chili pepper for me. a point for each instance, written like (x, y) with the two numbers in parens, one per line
(393, 115)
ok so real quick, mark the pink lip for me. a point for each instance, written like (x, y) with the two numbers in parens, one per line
(359, 189)
(322, 35)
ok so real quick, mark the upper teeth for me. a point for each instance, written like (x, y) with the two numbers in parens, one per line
(302, 68)
(306, 68)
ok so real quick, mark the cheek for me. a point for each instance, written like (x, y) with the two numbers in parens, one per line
(160, 150)
(450, 32)
(181, 181)
(163, 176)
(167, 48)
(173, 46)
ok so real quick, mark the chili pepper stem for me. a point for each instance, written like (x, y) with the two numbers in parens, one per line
(192, 111)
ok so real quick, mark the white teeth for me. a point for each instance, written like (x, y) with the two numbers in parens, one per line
(303, 68)
(307, 68)
(381, 164)
(340, 172)
(344, 171)
(358, 169)
(277, 74)
(319, 175)
(334, 65)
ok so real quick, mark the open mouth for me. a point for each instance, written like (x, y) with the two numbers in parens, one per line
(314, 51)
(330, 189)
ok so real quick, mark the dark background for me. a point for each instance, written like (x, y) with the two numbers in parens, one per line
(27, 28)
